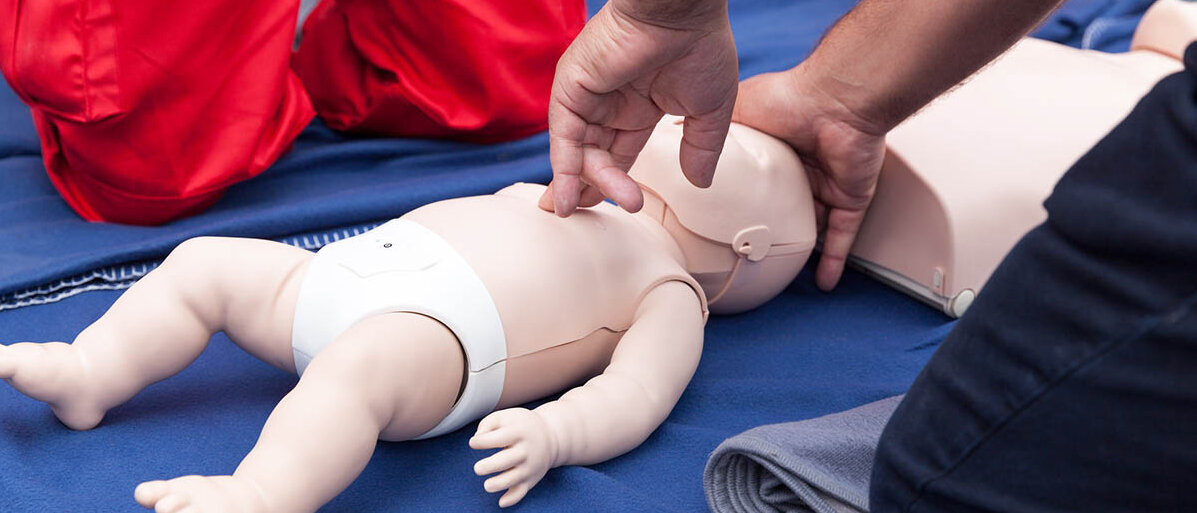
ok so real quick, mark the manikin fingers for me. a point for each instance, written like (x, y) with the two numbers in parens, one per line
(498, 419)
(514, 495)
(505, 480)
(172, 503)
(501, 461)
(488, 423)
(494, 439)
(149, 492)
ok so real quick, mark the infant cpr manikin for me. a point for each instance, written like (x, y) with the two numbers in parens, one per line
(455, 310)
(964, 179)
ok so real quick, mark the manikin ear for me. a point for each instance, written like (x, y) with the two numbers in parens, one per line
(1168, 27)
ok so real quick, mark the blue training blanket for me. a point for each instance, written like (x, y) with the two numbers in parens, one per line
(803, 355)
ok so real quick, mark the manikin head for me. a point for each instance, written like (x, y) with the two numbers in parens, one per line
(746, 236)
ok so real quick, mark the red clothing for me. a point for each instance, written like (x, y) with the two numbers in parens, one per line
(148, 110)
(475, 70)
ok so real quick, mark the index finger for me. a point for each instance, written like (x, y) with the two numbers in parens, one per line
(842, 227)
(566, 137)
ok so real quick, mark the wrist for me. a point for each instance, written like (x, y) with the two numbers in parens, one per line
(673, 14)
(840, 100)
(552, 429)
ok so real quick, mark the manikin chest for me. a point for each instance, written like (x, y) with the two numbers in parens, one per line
(553, 280)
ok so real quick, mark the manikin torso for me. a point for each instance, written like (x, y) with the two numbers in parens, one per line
(966, 177)
(585, 265)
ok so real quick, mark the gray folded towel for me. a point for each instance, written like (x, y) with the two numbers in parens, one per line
(820, 465)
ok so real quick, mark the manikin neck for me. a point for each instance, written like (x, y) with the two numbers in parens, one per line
(652, 217)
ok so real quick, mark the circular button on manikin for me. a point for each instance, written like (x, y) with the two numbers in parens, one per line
(369, 255)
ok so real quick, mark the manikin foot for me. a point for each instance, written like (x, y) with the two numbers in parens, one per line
(53, 373)
(201, 494)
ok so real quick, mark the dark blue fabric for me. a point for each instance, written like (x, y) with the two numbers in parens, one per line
(1071, 383)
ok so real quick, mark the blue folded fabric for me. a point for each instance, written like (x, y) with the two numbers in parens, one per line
(1105, 25)
(821, 465)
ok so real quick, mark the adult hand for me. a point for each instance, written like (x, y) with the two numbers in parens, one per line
(633, 62)
(841, 150)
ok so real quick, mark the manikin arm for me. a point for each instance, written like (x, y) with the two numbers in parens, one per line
(609, 415)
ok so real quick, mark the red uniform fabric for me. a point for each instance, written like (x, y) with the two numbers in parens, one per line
(148, 110)
(474, 70)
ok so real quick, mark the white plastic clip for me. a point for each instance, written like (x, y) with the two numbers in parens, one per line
(753, 242)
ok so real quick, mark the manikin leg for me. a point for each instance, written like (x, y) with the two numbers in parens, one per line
(393, 376)
(244, 287)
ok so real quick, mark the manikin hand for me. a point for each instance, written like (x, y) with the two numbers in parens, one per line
(633, 62)
(527, 452)
(841, 151)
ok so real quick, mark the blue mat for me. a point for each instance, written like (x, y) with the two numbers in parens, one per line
(803, 355)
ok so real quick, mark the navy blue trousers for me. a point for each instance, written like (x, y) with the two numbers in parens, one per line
(1071, 383)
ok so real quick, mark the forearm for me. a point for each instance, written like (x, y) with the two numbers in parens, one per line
(605, 418)
(888, 58)
(654, 361)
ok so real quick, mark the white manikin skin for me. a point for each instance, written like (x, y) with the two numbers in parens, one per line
(569, 315)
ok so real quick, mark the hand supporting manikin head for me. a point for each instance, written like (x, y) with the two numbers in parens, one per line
(746, 236)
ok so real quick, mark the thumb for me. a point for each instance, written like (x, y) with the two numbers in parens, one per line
(702, 142)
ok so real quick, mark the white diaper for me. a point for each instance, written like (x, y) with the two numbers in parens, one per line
(402, 266)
